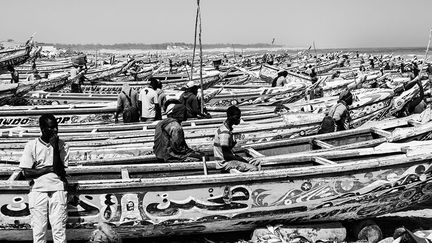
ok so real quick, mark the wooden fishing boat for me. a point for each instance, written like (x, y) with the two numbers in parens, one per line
(46, 67)
(41, 97)
(260, 132)
(65, 114)
(9, 91)
(107, 72)
(17, 56)
(173, 199)
(115, 87)
(268, 73)
(254, 95)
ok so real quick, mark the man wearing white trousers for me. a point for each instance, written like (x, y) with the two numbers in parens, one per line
(43, 161)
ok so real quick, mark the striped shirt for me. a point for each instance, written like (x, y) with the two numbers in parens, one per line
(223, 137)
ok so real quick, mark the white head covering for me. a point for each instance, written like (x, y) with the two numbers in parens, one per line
(190, 84)
(170, 108)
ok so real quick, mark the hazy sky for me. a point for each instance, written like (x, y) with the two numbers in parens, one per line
(294, 23)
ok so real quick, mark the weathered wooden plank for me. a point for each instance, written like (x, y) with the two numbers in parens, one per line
(322, 144)
(14, 175)
(414, 123)
(323, 161)
(381, 132)
(125, 174)
(252, 152)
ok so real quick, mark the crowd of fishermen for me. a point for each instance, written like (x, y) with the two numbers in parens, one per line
(45, 158)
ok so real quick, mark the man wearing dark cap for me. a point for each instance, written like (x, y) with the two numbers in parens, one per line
(169, 141)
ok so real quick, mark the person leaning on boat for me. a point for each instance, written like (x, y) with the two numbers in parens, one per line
(280, 80)
(224, 143)
(416, 104)
(14, 74)
(43, 161)
(338, 117)
(429, 71)
(76, 82)
(127, 104)
(34, 75)
(169, 141)
(161, 100)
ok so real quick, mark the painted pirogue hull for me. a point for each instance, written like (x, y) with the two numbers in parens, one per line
(144, 207)
(9, 91)
(84, 114)
(257, 95)
(108, 72)
(268, 73)
(14, 57)
(115, 87)
(49, 67)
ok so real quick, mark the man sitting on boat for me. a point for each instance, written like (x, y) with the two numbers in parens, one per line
(169, 141)
(190, 100)
(224, 143)
(338, 117)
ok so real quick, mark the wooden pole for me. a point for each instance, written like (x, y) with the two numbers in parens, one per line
(96, 59)
(424, 62)
(204, 163)
(201, 59)
(234, 52)
(315, 49)
(195, 36)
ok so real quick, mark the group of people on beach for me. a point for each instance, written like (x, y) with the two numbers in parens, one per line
(45, 158)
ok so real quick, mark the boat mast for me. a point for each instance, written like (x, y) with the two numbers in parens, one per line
(195, 37)
(425, 60)
(201, 59)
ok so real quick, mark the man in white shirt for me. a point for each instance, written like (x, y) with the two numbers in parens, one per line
(148, 100)
(43, 161)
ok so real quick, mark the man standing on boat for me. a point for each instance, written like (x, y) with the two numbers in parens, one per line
(169, 141)
(224, 143)
(76, 77)
(148, 101)
(429, 71)
(43, 161)
(161, 100)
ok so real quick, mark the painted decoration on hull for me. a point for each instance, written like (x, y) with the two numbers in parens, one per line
(13, 121)
(353, 196)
